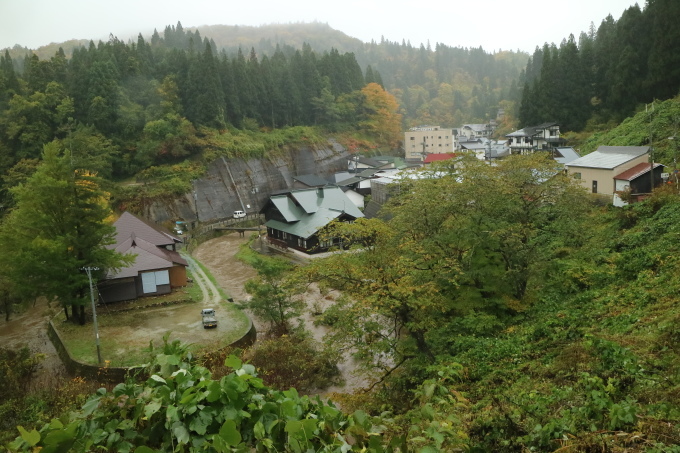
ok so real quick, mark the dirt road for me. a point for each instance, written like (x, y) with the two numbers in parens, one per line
(218, 255)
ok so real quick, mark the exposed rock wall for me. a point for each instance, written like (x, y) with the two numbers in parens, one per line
(237, 184)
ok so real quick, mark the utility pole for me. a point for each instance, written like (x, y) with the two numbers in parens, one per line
(94, 311)
(651, 151)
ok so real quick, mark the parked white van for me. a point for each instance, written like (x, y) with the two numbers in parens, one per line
(239, 214)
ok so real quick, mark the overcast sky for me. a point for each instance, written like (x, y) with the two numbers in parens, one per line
(492, 24)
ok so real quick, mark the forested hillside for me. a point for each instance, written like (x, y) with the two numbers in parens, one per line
(607, 72)
(122, 108)
(435, 85)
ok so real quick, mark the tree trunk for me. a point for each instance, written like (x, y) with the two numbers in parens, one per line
(66, 312)
(81, 314)
(8, 306)
(423, 347)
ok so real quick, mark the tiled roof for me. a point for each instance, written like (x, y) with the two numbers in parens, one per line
(635, 172)
(129, 223)
(147, 257)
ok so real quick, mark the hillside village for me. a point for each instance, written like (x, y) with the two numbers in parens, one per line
(342, 246)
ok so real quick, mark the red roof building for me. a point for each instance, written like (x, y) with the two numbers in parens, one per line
(438, 157)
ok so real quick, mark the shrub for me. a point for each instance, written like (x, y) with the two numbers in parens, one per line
(291, 361)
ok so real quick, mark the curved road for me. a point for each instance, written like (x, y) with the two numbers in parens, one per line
(211, 295)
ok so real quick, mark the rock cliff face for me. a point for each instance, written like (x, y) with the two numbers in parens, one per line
(237, 184)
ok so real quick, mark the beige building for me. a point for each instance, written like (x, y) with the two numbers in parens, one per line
(424, 140)
(596, 171)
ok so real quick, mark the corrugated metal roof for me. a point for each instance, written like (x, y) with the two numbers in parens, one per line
(567, 154)
(609, 157)
(635, 172)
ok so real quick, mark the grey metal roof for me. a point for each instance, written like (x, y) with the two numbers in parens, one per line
(609, 157)
(369, 161)
(531, 130)
(311, 180)
(350, 181)
(567, 155)
(477, 127)
(367, 173)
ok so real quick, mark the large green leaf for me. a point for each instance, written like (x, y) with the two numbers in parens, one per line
(229, 433)
(31, 438)
(233, 362)
(214, 391)
(152, 408)
(144, 449)
(181, 433)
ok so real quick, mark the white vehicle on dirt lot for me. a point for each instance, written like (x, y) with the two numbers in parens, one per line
(209, 319)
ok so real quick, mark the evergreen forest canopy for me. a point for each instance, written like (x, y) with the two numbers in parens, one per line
(608, 72)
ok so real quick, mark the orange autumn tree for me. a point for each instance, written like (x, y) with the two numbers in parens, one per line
(380, 118)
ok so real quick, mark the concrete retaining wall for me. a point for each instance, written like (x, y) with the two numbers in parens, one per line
(114, 375)
(234, 184)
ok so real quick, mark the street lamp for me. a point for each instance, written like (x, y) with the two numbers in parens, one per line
(94, 311)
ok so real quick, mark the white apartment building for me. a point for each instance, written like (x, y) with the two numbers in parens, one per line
(423, 140)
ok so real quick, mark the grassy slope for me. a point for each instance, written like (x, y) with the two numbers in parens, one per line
(595, 362)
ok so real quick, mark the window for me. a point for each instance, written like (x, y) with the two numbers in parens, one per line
(150, 280)
(594, 186)
(284, 235)
(413, 138)
(577, 175)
